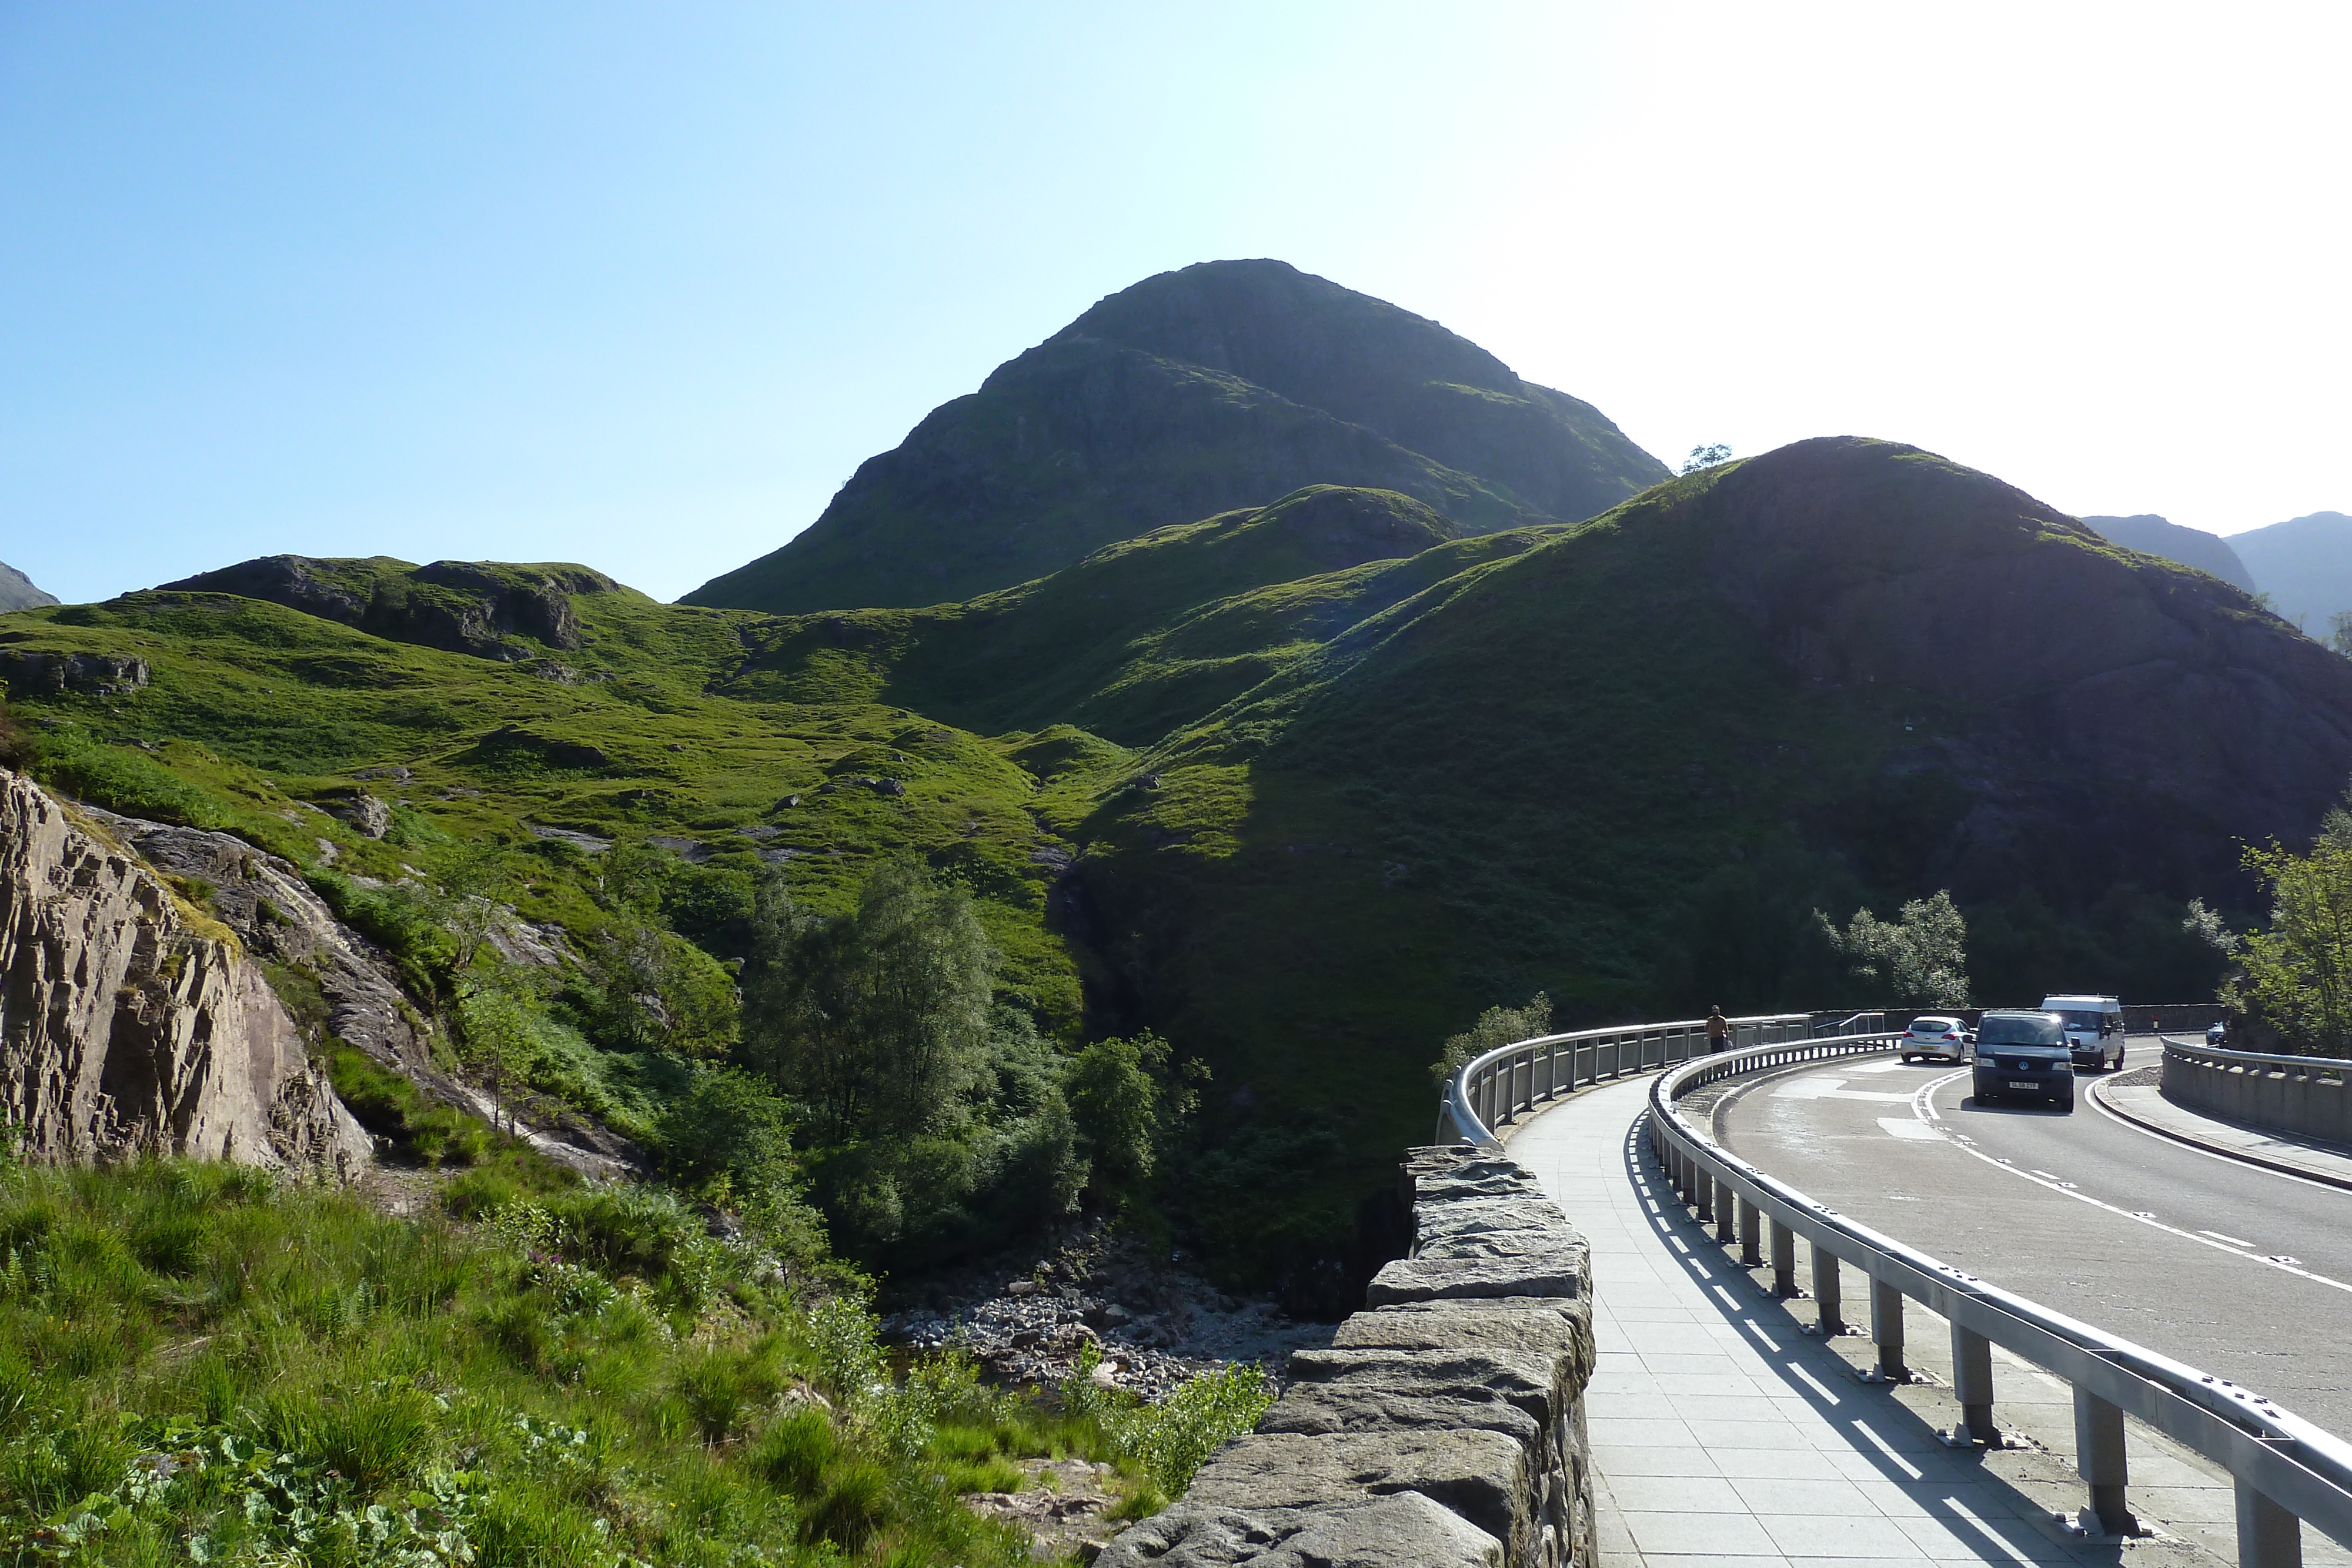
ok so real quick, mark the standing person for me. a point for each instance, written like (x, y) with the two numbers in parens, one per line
(1718, 1030)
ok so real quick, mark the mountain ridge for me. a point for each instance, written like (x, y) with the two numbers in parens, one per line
(1108, 429)
(2152, 535)
(2304, 564)
(18, 592)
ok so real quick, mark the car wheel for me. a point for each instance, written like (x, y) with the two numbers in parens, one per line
(2119, 1058)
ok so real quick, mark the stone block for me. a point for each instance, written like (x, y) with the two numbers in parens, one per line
(1481, 1476)
(1313, 1408)
(1385, 1532)
(1559, 1274)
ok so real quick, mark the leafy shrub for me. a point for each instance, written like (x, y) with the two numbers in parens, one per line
(1172, 1438)
(72, 761)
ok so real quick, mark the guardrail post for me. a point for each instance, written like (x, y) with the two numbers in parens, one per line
(2268, 1535)
(1972, 1381)
(1702, 1193)
(2099, 1458)
(1784, 1261)
(1827, 1320)
(1726, 1211)
(1751, 1226)
(1886, 1330)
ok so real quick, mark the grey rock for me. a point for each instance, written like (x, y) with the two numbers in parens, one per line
(131, 1025)
(1536, 1325)
(1481, 1476)
(28, 672)
(1558, 1273)
(17, 592)
(1313, 1409)
(590, 843)
(362, 810)
(692, 850)
(1405, 1527)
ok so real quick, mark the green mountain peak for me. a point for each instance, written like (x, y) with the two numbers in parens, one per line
(1223, 385)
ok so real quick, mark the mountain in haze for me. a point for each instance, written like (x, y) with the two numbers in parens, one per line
(2152, 535)
(17, 592)
(2304, 564)
(1225, 384)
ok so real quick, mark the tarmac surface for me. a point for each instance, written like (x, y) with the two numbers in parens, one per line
(2238, 1270)
(1724, 1435)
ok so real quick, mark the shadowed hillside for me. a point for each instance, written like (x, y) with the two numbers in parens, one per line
(1226, 384)
(2152, 535)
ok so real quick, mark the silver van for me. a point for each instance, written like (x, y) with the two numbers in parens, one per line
(2094, 1029)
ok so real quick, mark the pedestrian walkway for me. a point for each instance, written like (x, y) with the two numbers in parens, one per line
(1723, 1434)
(2134, 1097)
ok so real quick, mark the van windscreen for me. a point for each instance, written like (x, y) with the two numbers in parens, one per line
(2033, 1028)
(2083, 1022)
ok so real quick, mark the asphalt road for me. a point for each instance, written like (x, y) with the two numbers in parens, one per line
(2236, 1271)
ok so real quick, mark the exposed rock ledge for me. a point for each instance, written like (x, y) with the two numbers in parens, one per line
(130, 1024)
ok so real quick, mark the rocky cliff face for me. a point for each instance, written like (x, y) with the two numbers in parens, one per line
(130, 1024)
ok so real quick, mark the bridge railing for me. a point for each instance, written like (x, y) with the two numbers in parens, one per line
(1515, 1079)
(2286, 1468)
(2310, 1096)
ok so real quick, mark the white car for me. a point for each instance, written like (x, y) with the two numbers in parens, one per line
(1938, 1035)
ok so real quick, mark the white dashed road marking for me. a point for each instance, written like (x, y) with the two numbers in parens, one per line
(2215, 1239)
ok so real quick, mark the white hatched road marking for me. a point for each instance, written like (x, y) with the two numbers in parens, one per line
(2203, 1239)
(1817, 1086)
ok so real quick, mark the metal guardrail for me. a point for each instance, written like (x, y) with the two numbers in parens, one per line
(2286, 1468)
(2310, 1096)
(1488, 1092)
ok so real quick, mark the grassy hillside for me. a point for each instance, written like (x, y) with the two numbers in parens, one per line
(1305, 787)
(1219, 386)
(200, 1364)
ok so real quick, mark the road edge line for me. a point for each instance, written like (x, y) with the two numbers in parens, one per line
(2220, 1152)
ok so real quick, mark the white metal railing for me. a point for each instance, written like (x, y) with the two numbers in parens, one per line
(2286, 1468)
(2307, 1095)
(1503, 1083)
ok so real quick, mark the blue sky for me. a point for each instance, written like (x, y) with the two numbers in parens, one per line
(640, 286)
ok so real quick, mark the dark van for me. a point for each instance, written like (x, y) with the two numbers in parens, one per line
(2023, 1055)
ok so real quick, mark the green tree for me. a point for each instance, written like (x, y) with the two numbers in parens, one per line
(2296, 977)
(876, 1020)
(2340, 633)
(495, 1004)
(1126, 1099)
(1712, 456)
(1496, 1026)
(1918, 959)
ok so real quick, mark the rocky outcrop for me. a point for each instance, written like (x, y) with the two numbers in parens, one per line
(130, 1024)
(461, 607)
(30, 672)
(272, 910)
(1445, 1425)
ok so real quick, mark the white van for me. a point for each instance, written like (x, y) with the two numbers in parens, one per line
(2094, 1029)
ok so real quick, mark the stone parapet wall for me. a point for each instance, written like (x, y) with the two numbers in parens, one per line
(1444, 1425)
